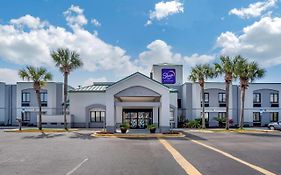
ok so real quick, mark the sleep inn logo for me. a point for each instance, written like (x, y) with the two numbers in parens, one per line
(168, 76)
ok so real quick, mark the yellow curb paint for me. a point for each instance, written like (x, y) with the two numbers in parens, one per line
(188, 167)
(257, 168)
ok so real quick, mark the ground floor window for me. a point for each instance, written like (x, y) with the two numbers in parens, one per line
(221, 115)
(97, 116)
(274, 116)
(138, 118)
(256, 117)
(172, 114)
(206, 116)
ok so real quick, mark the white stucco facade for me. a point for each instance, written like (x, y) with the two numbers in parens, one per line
(135, 92)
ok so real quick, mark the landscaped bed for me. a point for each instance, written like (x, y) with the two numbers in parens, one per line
(235, 130)
(153, 135)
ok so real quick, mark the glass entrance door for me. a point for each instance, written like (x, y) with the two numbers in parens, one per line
(138, 118)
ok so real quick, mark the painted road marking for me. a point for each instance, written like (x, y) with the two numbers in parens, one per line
(188, 167)
(255, 167)
(77, 166)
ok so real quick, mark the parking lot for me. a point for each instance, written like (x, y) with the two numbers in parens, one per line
(80, 153)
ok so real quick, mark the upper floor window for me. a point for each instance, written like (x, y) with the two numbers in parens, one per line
(206, 99)
(257, 98)
(222, 98)
(44, 96)
(274, 98)
(25, 97)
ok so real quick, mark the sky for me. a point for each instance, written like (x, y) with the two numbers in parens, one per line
(116, 38)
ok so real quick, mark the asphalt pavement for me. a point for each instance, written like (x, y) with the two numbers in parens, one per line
(80, 153)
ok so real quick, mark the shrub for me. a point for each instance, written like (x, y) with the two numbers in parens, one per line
(194, 123)
(182, 122)
(221, 121)
(152, 126)
(125, 125)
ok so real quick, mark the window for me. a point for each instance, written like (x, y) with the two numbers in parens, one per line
(256, 117)
(44, 96)
(256, 98)
(222, 98)
(274, 98)
(274, 116)
(206, 116)
(171, 114)
(25, 97)
(221, 115)
(179, 103)
(97, 116)
(206, 96)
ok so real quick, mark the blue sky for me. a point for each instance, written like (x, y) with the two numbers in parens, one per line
(116, 38)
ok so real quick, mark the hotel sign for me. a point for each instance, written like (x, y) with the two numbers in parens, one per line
(168, 76)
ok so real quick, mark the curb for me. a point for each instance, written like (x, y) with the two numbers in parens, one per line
(139, 135)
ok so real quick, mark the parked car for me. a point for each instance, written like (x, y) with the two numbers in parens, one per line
(275, 125)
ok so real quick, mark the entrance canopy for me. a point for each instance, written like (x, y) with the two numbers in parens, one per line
(138, 92)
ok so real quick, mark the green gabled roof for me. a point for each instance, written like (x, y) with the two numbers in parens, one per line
(95, 87)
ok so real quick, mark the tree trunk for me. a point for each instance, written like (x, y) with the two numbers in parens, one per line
(65, 99)
(242, 101)
(40, 109)
(227, 85)
(203, 107)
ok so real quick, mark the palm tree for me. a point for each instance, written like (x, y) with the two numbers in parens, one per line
(201, 73)
(247, 73)
(39, 76)
(226, 67)
(66, 61)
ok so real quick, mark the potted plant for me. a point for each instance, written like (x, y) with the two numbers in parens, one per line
(124, 127)
(152, 128)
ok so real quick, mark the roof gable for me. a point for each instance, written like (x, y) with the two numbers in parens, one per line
(138, 74)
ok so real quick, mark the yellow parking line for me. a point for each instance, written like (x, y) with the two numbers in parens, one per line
(188, 167)
(255, 167)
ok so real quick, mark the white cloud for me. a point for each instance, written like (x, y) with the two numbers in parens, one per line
(75, 17)
(28, 21)
(32, 46)
(160, 52)
(254, 9)
(9, 76)
(259, 41)
(90, 81)
(96, 22)
(165, 9)
(198, 59)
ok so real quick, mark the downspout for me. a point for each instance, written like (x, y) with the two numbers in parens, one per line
(11, 103)
(238, 99)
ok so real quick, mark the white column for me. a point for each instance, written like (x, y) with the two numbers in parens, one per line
(110, 113)
(155, 115)
(119, 114)
(165, 113)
